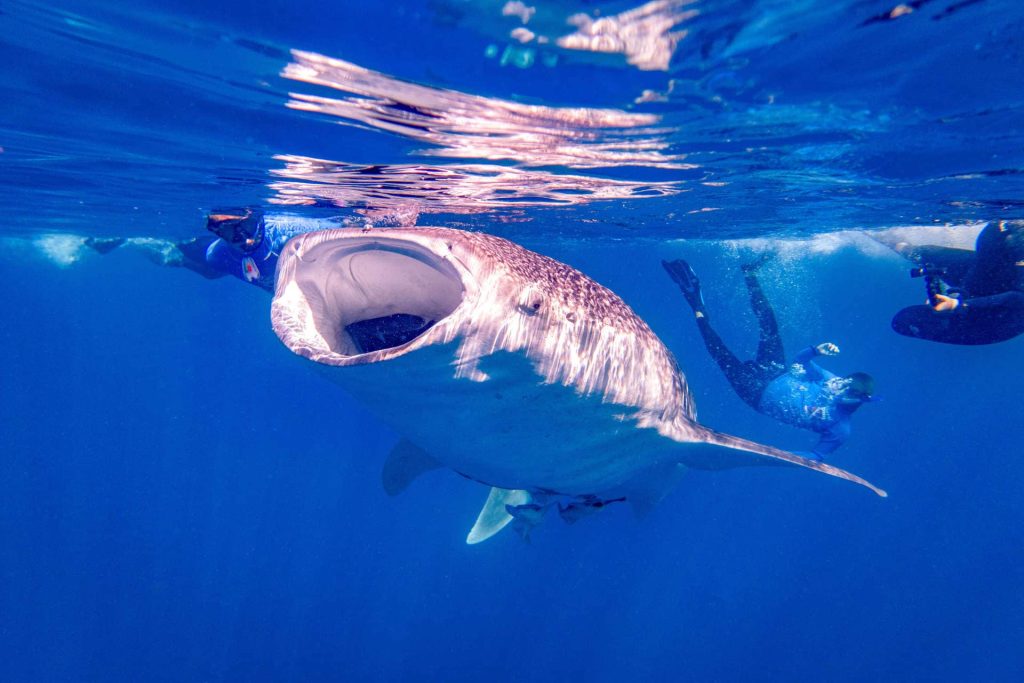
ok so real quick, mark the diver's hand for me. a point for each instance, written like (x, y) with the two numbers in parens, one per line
(827, 349)
(944, 304)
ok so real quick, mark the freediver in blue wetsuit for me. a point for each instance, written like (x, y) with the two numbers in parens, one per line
(246, 243)
(974, 297)
(803, 394)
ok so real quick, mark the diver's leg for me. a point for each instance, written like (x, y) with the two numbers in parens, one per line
(955, 263)
(104, 245)
(736, 371)
(742, 376)
(769, 345)
(979, 320)
(928, 254)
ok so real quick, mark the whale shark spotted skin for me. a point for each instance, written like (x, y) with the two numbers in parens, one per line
(511, 368)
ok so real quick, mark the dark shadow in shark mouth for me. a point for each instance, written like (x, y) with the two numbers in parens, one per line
(387, 331)
(375, 293)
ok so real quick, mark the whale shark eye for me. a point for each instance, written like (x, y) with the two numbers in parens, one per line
(531, 307)
(531, 301)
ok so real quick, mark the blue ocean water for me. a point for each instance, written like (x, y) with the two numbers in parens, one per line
(183, 499)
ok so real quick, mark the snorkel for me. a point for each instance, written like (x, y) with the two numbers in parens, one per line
(242, 229)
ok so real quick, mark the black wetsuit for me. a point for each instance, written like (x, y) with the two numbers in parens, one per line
(750, 378)
(990, 282)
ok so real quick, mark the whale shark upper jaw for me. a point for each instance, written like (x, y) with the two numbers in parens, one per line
(364, 297)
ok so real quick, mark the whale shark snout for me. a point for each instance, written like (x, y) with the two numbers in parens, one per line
(511, 368)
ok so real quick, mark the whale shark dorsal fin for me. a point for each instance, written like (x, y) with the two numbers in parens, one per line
(405, 462)
(494, 516)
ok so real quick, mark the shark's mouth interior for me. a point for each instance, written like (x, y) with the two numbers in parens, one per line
(376, 293)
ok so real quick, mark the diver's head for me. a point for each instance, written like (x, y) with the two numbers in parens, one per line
(242, 229)
(860, 386)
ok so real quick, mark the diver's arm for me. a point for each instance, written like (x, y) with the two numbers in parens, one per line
(833, 438)
(814, 372)
(195, 257)
(923, 254)
(221, 259)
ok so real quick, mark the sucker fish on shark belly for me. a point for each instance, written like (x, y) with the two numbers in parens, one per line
(531, 378)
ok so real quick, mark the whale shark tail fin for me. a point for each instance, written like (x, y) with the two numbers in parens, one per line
(405, 462)
(743, 453)
(495, 514)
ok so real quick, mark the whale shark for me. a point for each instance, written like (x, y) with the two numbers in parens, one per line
(511, 368)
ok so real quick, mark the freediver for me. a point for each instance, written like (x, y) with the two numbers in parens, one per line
(247, 243)
(803, 394)
(974, 297)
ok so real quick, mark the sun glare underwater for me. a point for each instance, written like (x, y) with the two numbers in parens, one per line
(464, 340)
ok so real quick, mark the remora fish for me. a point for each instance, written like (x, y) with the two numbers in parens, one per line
(507, 366)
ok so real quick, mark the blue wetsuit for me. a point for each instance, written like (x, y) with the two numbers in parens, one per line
(807, 396)
(259, 265)
(810, 397)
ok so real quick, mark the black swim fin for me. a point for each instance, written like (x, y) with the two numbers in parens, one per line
(689, 284)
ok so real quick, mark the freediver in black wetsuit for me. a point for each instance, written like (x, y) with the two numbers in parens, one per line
(974, 297)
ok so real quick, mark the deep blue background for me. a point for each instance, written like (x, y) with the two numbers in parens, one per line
(184, 500)
(181, 499)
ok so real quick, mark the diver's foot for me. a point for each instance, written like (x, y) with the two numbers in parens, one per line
(755, 265)
(104, 245)
(689, 284)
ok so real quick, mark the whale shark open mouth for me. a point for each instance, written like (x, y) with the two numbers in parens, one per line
(371, 294)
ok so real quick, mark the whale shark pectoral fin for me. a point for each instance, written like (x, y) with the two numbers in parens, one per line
(405, 462)
(643, 493)
(735, 443)
(495, 515)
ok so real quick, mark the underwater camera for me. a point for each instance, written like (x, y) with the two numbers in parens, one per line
(933, 283)
(928, 271)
